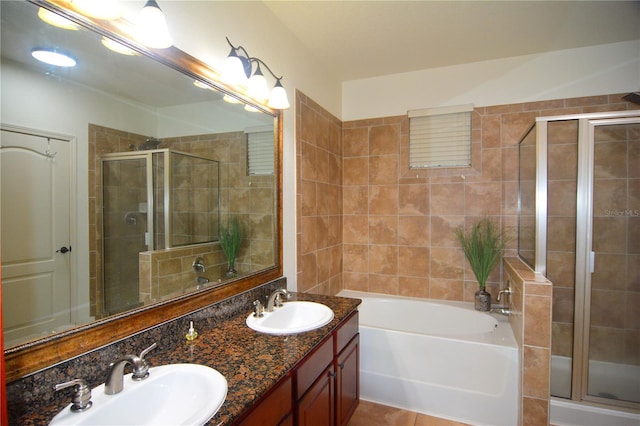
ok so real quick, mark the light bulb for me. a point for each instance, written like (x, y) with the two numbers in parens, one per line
(278, 99)
(233, 71)
(258, 86)
(152, 28)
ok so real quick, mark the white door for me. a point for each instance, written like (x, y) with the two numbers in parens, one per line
(34, 234)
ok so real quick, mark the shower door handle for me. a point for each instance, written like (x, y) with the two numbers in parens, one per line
(63, 250)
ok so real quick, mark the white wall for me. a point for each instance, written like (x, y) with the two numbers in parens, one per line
(589, 71)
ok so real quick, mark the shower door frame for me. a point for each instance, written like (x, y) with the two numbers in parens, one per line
(149, 240)
(584, 218)
(585, 256)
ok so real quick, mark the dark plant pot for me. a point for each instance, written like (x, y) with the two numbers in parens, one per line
(231, 270)
(483, 300)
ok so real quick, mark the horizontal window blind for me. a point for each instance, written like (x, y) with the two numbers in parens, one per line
(260, 154)
(440, 137)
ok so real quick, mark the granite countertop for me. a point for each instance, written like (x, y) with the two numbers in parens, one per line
(251, 362)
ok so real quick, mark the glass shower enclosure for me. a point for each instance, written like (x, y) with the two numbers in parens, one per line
(152, 200)
(580, 226)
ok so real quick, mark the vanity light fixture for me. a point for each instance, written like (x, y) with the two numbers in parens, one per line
(56, 20)
(152, 27)
(53, 57)
(237, 70)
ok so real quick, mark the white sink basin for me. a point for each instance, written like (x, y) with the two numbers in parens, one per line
(174, 394)
(292, 317)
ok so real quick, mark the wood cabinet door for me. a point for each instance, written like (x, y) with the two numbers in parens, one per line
(273, 408)
(316, 407)
(347, 381)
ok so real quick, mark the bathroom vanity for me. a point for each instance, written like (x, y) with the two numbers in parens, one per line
(299, 379)
(321, 389)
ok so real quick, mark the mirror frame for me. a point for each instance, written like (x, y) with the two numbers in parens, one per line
(36, 355)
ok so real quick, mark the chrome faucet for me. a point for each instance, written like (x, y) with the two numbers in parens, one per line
(115, 377)
(275, 300)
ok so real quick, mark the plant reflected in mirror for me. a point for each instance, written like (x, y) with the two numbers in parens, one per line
(231, 237)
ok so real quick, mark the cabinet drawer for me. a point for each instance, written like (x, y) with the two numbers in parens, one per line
(309, 370)
(345, 333)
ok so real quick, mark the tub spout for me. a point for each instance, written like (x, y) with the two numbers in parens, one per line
(502, 310)
(506, 291)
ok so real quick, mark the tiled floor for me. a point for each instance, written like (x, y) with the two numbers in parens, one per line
(370, 414)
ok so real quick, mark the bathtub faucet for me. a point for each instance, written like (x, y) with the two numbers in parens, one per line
(506, 291)
(275, 300)
(502, 310)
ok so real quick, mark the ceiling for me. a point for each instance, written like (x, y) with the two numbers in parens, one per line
(362, 39)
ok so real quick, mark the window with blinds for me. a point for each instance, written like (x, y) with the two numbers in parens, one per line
(440, 137)
(260, 154)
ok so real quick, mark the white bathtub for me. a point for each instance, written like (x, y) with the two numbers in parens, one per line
(439, 358)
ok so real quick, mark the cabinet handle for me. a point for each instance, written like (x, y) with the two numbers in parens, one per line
(341, 365)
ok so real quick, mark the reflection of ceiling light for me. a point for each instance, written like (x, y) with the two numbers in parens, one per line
(200, 84)
(56, 20)
(101, 9)
(53, 57)
(231, 99)
(117, 47)
(250, 108)
(152, 27)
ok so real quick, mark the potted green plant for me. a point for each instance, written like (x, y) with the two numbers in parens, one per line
(230, 240)
(483, 246)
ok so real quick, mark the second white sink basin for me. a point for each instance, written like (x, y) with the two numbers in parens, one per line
(292, 317)
(174, 394)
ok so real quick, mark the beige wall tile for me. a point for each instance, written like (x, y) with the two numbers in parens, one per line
(537, 321)
(413, 231)
(536, 378)
(355, 171)
(414, 261)
(383, 230)
(383, 199)
(447, 199)
(383, 259)
(355, 200)
(413, 200)
(535, 412)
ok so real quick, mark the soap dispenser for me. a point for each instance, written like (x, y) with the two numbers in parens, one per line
(192, 334)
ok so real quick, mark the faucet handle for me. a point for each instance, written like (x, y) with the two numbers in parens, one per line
(141, 371)
(258, 311)
(81, 400)
(146, 351)
(277, 302)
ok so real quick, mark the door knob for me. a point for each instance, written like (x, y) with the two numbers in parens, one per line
(63, 250)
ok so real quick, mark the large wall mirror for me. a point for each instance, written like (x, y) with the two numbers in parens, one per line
(119, 176)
